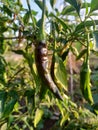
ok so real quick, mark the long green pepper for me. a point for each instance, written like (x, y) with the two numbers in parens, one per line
(85, 82)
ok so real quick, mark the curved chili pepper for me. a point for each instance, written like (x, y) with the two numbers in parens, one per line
(43, 70)
(85, 83)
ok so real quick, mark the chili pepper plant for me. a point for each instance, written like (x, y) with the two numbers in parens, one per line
(48, 79)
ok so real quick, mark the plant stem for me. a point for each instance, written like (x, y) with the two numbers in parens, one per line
(42, 27)
(88, 49)
(28, 3)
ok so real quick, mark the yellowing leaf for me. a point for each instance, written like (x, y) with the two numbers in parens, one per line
(64, 119)
(4, 126)
(38, 116)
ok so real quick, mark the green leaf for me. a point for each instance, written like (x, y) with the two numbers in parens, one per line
(9, 107)
(20, 52)
(64, 119)
(13, 93)
(34, 12)
(2, 45)
(64, 25)
(52, 2)
(91, 44)
(68, 10)
(76, 4)
(30, 97)
(81, 54)
(3, 97)
(7, 10)
(3, 29)
(43, 91)
(59, 73)
(65, 54)
(38, 116)
(10, 121)
(95, 107)
(26, 17)
(74, 51)
(95, 35)
(94, 52)
(86, 6)
(39, 3)
(94, 6)
(2, 70)
(82, 25)
(2, 63)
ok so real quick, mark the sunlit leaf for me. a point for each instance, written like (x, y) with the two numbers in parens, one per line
(74, 51)
(65, 54)
(64, 119)
(38, 116)
(81, 54)
(34, 12)
(4, 126)
(86, 7)
(59, 72)
(91, 44)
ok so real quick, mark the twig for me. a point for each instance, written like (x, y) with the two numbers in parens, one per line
(8, 38)
(11, 78)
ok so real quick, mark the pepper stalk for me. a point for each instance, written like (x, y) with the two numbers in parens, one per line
(88, 49)
(28, 4)
(42, 25)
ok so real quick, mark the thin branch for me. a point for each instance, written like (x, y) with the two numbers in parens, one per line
(29, 7)
(16, 37)
(9, 38)
(11, 78)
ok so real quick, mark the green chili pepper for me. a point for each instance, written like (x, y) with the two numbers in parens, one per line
(85, 82)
